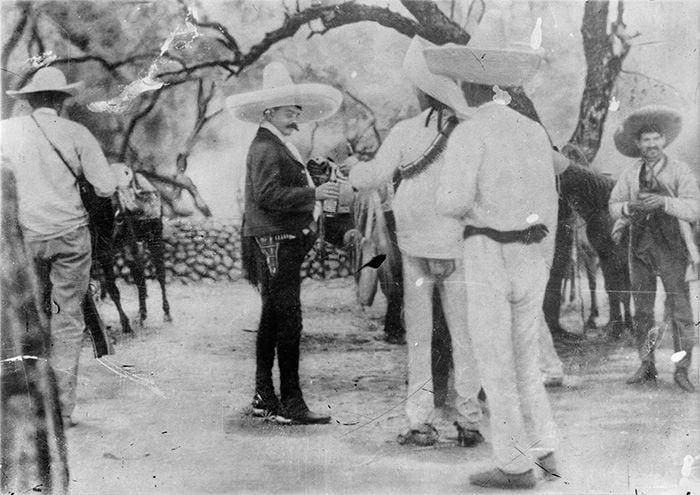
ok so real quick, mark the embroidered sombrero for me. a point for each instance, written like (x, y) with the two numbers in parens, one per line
(666, 119)
(48, 79)
(441, 88)
(487, 59)
(317, 101)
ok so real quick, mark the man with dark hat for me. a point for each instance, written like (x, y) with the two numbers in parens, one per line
(281, 206)
(658, 196)
(46, 153)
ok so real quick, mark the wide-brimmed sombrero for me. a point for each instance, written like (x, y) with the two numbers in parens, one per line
(317, 101)
(442, 88)
(48, 79)
(666, 119)
(488, 59)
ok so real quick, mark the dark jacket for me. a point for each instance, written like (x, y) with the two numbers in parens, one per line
(278, 199)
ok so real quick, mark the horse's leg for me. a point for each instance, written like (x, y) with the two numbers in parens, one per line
(591, 272)
(137, 271)
(106, 263)
(155, 232)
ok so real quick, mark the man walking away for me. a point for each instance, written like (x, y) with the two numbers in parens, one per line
(40, 148)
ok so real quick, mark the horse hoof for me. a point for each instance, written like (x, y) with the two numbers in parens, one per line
(167, 318)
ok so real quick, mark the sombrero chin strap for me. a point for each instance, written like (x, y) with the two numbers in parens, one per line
(433, 151)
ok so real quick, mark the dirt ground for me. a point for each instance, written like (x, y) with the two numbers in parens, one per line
(164, 414)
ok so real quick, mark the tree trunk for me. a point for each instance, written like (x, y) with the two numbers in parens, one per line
(604, 65)
(33, 443)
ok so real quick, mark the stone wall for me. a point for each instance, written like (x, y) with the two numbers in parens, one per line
(210, 249)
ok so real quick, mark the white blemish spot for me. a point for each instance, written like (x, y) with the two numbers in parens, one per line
(532, 218)
(123, 101)
(353, 74)
(676, 357)
(614, 104)
(41, 60)
(501, 97)
(419, 282)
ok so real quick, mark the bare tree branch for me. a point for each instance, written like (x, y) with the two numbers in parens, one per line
(181, 181)
(429, 14)
(656, 80)
(113, 66)
(228, 41)
(12, 42)
(203, 99)
(330, 16)
(7, 49)
(153, 99)
(604, 64)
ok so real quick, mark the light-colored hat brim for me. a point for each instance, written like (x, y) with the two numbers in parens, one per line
(665, 118)
(442, 88)
(69, 89)
(317, 101)
(505, 67)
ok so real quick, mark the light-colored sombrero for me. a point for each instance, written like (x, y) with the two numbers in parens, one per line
(442, 88)
(317, 101)
(666, 119)
(488, 59)
(48, 79)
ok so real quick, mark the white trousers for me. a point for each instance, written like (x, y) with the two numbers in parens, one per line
(419, 279)
(505, 289)
(550, 363)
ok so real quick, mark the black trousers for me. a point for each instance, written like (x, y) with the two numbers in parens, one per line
(280, 323)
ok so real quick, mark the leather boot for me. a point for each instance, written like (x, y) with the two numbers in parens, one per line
(645, 373)
(680, 376)
(500, 479)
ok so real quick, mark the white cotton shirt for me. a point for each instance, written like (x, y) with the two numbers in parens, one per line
(422, 231)
(48, 196)
(499, 172)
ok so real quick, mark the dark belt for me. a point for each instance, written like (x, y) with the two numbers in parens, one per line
(530, 235)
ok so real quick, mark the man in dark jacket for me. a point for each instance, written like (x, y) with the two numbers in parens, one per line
(281, 206)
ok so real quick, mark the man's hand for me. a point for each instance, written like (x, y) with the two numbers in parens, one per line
(647, 202)
(347, 165)
(329, 190)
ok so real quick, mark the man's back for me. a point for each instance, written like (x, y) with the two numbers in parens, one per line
(499, 172)
(49, 202)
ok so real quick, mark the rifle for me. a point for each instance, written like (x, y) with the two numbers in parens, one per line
(95, 327)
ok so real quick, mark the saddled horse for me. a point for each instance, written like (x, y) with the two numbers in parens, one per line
(130, 229)
(588, 193)
(348, 229)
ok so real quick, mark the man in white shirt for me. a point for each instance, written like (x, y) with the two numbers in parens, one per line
(431, 249)
(498, 181)
(53, 219)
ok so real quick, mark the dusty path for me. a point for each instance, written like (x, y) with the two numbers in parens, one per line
(175, 424)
